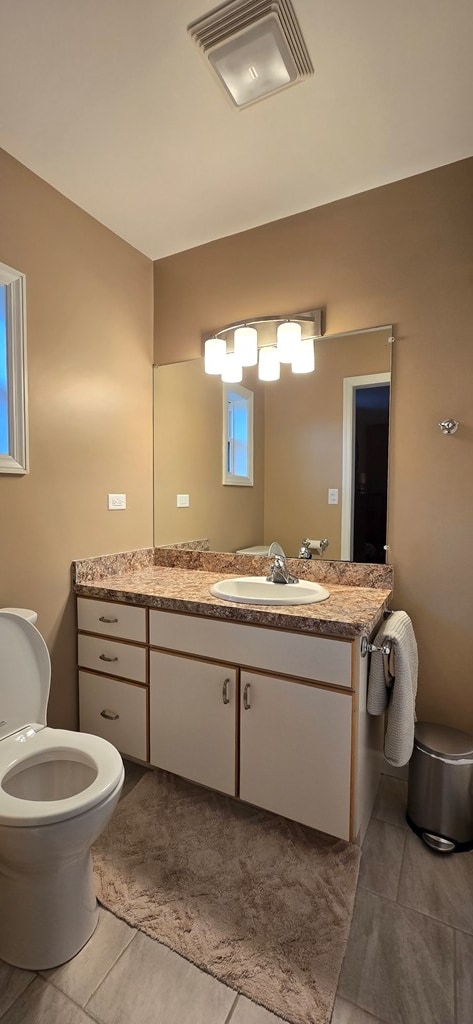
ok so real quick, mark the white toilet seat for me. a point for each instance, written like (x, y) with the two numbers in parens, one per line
(34, 745)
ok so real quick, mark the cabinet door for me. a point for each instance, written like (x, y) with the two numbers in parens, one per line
(295, 754)
(193, 719)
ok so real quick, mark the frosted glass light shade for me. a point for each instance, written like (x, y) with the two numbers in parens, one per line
(268, 365)
(304, 356)
(232, 372)
(215, 350)
(289, 336)
(245, 345)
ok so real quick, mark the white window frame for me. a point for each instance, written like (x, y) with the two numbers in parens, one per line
(16, 459)
(247, 397)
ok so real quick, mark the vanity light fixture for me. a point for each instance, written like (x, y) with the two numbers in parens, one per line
(269, 367)
(232, 372)
(289, 336)
(215, 350)
(254, 47)
(281, 339)
(245, 345)
(303, 360)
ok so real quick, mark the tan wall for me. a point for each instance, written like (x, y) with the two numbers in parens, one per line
(89, 311)
(403, 254)
(188, 460)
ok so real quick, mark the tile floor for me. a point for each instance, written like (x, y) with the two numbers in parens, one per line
(409, 959)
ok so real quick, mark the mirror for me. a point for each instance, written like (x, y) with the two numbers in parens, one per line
(320, 454)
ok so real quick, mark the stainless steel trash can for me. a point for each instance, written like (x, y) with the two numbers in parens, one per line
(440, 788)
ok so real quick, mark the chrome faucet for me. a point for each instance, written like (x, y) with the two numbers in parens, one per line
(279, 572)
(304, 550)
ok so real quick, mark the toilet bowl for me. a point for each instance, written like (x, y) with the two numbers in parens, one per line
(58, 790)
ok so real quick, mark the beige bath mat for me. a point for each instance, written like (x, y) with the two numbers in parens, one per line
(260, 903)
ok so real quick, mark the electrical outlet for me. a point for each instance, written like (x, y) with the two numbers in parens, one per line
(116, 501)
(182, 501)
(333, 495)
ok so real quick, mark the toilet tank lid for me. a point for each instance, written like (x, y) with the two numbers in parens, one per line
(258, 549)
(26, 613)
(443, 740)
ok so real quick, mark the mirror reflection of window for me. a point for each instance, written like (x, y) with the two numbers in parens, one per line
(237, 435)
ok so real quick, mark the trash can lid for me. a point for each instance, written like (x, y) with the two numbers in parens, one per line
(441, 739)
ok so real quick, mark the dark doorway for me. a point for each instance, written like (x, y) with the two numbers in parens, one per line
(371, 473)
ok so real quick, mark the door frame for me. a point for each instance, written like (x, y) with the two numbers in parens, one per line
(350, 385)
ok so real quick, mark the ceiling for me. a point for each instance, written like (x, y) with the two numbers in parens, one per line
(111, 103)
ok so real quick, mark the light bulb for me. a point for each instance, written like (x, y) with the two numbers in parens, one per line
(288, 335)
(215, 350)
(232, 372)
(268, 364)
(304, 356)
(245, 345)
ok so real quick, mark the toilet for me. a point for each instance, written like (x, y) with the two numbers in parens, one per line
(58, 790)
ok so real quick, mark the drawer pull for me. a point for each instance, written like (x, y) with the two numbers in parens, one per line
(104, 657)
(225, 697)
(112, 715)
(103, 618)
(246, 697)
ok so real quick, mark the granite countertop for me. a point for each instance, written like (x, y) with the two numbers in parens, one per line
(350, 611)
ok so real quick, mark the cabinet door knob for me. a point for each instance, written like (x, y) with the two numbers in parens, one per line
(103, 657)
(246, 697)
(112, 715)
(225, 697)
(103, 618)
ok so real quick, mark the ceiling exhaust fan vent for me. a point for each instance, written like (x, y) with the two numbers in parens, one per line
(255, 47)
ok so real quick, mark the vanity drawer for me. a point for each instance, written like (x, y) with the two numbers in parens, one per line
(116, 711)
(112, 619)
(112, 657)
(307, 657)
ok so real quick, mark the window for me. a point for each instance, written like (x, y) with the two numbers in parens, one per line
(237, 435)
(13, 414)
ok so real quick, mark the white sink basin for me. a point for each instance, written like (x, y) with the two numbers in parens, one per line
(257, 590)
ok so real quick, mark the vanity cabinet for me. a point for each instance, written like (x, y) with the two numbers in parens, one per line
(193, 719)
(295, 724)
(273, 717)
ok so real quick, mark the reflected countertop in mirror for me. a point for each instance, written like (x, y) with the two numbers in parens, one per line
(313, 433)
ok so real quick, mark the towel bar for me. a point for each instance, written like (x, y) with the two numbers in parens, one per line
(367, 648)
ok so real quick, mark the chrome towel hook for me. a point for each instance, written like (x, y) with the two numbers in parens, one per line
(449, 426)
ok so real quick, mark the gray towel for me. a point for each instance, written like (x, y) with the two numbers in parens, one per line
(392, 686)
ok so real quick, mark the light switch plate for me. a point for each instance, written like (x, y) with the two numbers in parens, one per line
(182, 501)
